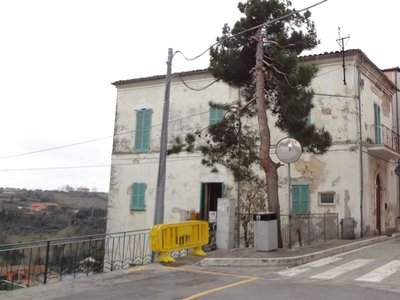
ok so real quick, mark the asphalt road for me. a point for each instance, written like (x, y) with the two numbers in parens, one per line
(371, 272)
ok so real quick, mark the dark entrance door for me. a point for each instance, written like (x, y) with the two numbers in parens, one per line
(210, 192)
(378, 204)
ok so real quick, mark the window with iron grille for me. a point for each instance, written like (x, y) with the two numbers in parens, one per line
(327, 198)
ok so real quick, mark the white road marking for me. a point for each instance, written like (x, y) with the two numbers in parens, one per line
(314, 264)
(330, 274)
(381, 273)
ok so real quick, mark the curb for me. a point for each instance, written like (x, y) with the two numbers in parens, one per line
(290, 261)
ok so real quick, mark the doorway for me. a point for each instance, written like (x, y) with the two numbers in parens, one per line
(209, 194)
(378, 204)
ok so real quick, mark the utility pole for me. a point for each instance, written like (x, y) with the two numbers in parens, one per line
(340, 41)
(162, 165)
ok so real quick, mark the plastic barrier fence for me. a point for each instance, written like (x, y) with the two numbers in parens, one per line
(178, 236)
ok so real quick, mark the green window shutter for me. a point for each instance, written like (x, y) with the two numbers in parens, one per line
(216, 115)
(142, 133)
(377, 121)
(295, 200)
(308, 119)
(138, 196)
(223, 189)
(202, 199)
(305, 199)
(300, 199)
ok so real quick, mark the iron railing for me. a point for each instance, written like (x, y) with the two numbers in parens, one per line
(304, 229)
(35, 263)
(381, 135)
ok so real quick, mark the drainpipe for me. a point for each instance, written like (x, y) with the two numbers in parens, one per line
(397, 131)
(361, 152)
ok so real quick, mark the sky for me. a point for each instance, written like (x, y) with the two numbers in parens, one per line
(58, 59)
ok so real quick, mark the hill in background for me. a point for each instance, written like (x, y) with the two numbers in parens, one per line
(75, 213)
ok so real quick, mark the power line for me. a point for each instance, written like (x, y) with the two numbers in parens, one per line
(99, 166)
(189, 59)
(94, 140)
(250, 29)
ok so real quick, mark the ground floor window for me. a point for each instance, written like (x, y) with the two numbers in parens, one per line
(300, 199)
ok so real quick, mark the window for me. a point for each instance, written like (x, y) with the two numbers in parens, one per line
(138, 193)
(300, 199)
(377, 123)
(216, 114)
(327, 198)
(308, 118)
(142, 133)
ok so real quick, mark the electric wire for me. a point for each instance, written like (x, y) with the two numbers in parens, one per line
(200, 89)
(99, 166)
(98, 139)
(133, 131)
(249, 29)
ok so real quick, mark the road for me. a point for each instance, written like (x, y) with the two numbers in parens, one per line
(371, 272)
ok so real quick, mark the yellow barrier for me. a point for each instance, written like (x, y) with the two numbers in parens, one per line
(178, 236)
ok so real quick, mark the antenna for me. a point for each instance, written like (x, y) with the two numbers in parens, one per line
(340, 41)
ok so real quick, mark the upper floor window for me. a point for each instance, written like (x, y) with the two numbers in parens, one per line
(308, 118)
(142, 133)
(138, 196)
(216, 114)
(377, 124)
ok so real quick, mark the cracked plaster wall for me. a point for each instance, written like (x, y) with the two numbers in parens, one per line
(336, 171)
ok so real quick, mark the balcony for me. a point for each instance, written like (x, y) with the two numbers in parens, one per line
(383, 142)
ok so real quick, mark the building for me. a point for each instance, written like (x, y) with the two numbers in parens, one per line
(355, 178)
(41, 206)
(83, 189)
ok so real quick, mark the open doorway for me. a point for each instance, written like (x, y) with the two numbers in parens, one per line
(378, 204)
(210, 192)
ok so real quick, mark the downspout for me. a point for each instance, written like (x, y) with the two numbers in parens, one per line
(397, 131)
(361, 152)
(397, 101)
(238, 200)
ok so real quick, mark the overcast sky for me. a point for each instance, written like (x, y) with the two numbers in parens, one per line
(58, 59)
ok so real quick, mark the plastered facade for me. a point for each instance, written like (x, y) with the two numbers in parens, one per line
(342, 170)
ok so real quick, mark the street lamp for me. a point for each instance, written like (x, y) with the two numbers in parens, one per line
(289, 151)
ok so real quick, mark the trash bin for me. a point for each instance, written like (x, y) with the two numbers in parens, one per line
(398, 223)
(348, 225)
(265, 231)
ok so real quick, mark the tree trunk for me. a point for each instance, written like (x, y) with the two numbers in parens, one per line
(270, 167)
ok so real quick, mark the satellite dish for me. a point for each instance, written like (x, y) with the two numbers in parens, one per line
(288, 150)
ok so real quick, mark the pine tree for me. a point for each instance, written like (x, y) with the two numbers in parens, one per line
(259, 55)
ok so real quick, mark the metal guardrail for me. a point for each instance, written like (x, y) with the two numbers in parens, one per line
(36, 263)
(305, 229)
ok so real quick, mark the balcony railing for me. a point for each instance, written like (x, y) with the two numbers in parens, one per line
(383, 136)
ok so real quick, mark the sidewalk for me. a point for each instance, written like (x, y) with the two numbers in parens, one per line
(249, 257)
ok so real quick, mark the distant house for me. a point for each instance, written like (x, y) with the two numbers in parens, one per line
(9, 191)
(22, 274)
(40, 206)
(83, 190)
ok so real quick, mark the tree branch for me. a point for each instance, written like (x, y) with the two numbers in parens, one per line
(279, 72)
(252, 101)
